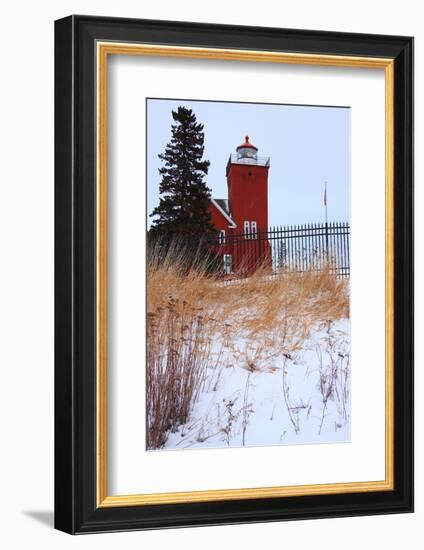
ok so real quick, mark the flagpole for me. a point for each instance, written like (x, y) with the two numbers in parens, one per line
(326, 219)
(325, 203)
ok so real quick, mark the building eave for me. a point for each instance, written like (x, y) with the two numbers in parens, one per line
(232, 224)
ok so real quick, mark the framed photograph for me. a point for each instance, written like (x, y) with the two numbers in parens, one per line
(234, 274)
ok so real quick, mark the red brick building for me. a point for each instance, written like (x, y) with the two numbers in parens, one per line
(242, 218)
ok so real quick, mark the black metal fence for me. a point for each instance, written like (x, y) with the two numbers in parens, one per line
(311, 247)
(294, 248)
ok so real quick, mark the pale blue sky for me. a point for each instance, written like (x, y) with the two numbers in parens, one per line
(307, 146)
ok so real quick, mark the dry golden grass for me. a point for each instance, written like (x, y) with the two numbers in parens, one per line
(255, 303)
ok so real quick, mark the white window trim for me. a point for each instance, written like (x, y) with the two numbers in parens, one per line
(250, 230)
(231, 223)
(246, 229)
(254, 230)
(222, 236)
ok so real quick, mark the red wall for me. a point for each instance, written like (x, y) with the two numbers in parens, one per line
(248, 194)
(219, 221)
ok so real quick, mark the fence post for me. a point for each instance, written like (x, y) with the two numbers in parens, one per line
(326, 241)
(259, 260)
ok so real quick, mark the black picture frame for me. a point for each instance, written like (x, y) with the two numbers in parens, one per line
(76, 509)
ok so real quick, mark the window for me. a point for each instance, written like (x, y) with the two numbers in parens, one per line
(221, 238)
(247, 230)
(250, 230)
(228, 264)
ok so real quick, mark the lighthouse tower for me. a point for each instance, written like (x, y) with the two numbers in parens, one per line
(247, 180)
(242, 219)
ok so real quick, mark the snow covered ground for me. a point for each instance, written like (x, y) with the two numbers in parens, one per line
(254, 394)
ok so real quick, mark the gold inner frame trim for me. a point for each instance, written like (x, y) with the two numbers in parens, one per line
(104, 49)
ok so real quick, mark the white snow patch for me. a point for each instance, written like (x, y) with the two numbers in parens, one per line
(242, 408)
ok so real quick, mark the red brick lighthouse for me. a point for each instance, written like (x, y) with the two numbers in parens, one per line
(242, 219)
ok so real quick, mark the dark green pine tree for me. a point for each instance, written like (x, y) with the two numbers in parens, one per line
(185, 197)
